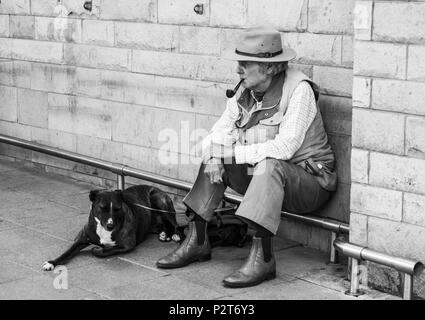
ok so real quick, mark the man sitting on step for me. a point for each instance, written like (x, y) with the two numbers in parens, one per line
(269, 145)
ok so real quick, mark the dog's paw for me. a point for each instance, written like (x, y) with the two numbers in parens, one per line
(47, 266)
(97, 251)
(176, 237)
(163, 237)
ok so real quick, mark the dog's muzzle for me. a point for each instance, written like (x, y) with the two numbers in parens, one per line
(110, 225)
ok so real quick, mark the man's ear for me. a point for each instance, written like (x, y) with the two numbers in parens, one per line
(93, 194)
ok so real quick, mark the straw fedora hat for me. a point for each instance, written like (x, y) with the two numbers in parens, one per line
(261, 44)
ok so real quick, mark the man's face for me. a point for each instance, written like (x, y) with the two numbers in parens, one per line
(254, 75)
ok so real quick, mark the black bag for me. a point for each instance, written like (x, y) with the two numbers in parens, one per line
(226, 229)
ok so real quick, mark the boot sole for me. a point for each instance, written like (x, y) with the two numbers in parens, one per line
(185, 263)
(269, 276)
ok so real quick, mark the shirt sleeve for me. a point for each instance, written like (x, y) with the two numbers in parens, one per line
(300, 114)
(224, 131)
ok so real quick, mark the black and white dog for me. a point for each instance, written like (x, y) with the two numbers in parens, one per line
(119, 220)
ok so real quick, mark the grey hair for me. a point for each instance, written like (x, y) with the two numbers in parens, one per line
(277, 67)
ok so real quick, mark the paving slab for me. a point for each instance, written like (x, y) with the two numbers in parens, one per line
(10, 271)
(105, 275)
(300, 261)
(7, 225)
(66, 228)
(30, 214)
(165, 287)
(31, 248)
(40, 287)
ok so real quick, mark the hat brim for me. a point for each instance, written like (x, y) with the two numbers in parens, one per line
(288, 54)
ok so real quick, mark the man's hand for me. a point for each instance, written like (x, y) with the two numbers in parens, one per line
(219, 151)
(214, 169)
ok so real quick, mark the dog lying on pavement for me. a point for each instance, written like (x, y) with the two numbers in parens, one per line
(119, 221)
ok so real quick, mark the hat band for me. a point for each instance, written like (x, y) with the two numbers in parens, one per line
(259, 55)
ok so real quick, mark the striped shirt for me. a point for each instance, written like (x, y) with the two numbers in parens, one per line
(300, 114)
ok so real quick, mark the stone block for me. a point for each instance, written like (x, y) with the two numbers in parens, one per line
(181, 12)
(147, 36)
(98, 32)
(80, 116)
(335, 81)
(190, 95)
(317, 49)
(183, 66)
(416, 65)
(380, 131)
(415, 137)
(97, 57)
(290, 15)
(385, 60)
(133, 10)
(362, 90)
(151, 160)
(22, 27)
(7, 72)
(377, 202)
(399, 21)
(395, 172)
(4, 25)
(32, 108)
(414, 208)
(9, 104)
(116, 86)
(100, 148)
(55, 139)
(58, 29)
(396, 238)
(43, 7)
(362, 20)
(334, 16)
(41, 51)
(50, 77)
(358, 229)
(398, 96)
(359, 165)
(347, 51)
(228, 13)
(5, 48)
(15, 7)
(150, 127)
(199, 40)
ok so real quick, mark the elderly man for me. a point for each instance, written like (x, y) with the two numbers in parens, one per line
(269, 145)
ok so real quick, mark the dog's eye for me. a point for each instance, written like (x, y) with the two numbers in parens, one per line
(116, 208)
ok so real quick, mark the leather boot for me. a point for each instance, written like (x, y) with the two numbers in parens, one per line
(189, 250)
(256, 269)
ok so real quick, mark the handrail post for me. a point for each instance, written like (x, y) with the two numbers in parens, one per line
(120, 181)
(354, 284)
(407, 286)
(334, 252)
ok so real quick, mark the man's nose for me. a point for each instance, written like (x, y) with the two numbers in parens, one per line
(239, 70)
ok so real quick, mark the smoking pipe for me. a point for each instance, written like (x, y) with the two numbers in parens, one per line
(230, 93)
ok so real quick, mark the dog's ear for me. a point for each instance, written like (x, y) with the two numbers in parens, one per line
(93, 194)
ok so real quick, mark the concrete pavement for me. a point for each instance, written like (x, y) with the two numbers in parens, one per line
(40, 214)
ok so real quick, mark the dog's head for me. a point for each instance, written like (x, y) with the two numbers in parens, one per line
(108, 208)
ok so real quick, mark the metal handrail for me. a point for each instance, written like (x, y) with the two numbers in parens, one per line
(358, 253)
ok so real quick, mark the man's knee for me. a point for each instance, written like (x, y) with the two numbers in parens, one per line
(270, 167)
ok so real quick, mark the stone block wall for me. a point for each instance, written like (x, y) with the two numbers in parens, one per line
(112, 82)
(388, 136)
